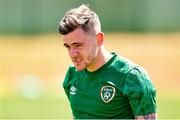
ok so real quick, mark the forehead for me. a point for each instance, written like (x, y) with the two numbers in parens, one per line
(78, 35)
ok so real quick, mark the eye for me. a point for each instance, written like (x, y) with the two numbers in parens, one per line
(67, 46)
(78, 45)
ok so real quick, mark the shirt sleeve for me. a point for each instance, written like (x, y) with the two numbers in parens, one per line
(140, 92)
(67, 81)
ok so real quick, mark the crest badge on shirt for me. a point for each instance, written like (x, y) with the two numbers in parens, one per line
(107, 93)
(73, 90)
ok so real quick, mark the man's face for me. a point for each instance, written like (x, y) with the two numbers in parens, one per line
(82, 48)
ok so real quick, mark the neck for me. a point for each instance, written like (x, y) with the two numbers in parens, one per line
(103, 57)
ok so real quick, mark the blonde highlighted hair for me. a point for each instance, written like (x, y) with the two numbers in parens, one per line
(82, 17)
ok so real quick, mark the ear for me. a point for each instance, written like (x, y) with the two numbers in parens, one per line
(100, 38)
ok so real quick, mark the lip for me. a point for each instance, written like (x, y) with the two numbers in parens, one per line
(77, 61)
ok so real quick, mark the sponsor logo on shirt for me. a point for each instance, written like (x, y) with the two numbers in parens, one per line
(73, 90)
(107, 93)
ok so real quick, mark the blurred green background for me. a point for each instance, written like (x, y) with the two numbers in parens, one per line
(33, 61)
(42, 16)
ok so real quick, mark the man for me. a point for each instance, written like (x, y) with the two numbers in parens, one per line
(100, 84)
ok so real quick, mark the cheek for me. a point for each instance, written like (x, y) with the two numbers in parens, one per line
(93, 50)
(91, 54)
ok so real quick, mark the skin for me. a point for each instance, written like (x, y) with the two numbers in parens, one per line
(152, 116)
(86, 49)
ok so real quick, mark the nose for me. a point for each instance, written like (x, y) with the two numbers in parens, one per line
(73, 52)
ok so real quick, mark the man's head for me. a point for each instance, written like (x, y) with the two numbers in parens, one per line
(82, 36)
(80, 17)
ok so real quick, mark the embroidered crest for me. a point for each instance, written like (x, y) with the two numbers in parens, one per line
(107, 93)
(73, 90)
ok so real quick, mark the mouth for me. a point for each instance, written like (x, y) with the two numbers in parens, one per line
(77, 61)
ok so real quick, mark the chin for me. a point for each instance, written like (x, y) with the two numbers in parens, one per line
(80, 68)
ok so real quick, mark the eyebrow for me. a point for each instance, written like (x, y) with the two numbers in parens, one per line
(75, 43)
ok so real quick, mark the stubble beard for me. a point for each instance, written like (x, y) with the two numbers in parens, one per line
(91, 62)
(85, 63)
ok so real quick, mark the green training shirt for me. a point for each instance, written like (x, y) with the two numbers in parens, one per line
(118, 90)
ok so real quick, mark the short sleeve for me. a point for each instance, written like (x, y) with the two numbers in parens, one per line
(140, 92)
(67, 81)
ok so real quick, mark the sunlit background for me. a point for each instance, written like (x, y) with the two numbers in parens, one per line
(33, 61)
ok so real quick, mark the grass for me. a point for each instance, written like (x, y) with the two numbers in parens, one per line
(19, 108)
(168, 108)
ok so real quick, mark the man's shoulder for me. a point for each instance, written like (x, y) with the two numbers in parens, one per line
(117, 71)
(122, 65)
(71, 69)
(69, 75)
